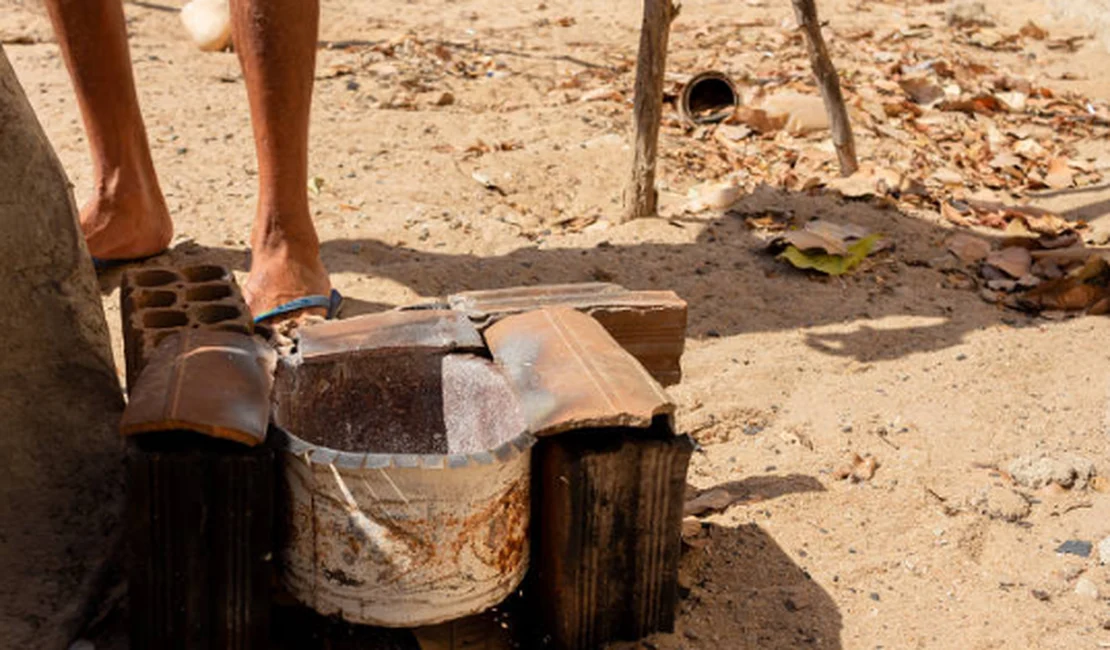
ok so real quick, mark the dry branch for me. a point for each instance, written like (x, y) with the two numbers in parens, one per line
(640, 196)
(827, 80)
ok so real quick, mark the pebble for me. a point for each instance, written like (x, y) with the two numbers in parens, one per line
(1001, 503)
(1075, 547)
(1087, 588)
(1038, 470)
(1104, 550)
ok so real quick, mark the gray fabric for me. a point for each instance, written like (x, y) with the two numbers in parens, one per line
(61, 464)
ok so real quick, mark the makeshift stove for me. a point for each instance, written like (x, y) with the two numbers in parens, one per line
(403, 468)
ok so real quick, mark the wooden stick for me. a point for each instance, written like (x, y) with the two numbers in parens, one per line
(827, 80)
(640, 196)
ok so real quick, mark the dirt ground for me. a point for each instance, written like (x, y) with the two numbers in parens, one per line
(785, 373)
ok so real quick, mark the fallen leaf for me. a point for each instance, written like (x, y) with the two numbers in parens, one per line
(967, 248)
(857, 468)
(922, 91)
(831, 264)
(1034, 31)
(757, 119)
(1059, 174)
(602, 95)
(1014, 261)
(1012, 101)
(315, 184)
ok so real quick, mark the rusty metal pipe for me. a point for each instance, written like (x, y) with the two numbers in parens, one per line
(708, 97)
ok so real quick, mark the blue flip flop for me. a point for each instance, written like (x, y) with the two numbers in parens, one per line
(332, 302)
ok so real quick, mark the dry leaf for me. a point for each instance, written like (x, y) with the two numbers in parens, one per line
(1034, 31)
(1014, 261)
(1059, 174)
(967, 248)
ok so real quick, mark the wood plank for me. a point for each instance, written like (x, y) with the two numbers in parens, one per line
(200, 527)
(607, 524)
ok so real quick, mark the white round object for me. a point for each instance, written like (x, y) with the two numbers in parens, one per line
(208, 23)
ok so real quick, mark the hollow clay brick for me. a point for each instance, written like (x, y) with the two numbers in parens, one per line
(651, 325)
(158, 301)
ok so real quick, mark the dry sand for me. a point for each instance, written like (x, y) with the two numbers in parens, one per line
(785, 374)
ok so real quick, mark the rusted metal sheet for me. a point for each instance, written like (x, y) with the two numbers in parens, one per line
(608, 513)
(211, 382)
(155, 302)
(651, 325)
(439, 330)
(569, 373)
(200, 542)
(378, 532)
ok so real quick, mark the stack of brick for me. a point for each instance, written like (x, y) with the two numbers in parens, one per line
(578, 368)
(200, 480)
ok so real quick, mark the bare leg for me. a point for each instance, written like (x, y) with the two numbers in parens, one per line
(127, 216)
(276, 42)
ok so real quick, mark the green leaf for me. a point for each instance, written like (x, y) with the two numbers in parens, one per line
(831, 264)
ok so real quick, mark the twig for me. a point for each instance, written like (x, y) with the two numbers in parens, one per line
(827, 80)
(641, 197)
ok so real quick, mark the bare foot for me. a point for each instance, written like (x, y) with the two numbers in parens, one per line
(122, 225)
(282, 273)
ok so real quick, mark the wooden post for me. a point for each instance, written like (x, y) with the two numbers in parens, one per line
(640, 196)
(829, 83)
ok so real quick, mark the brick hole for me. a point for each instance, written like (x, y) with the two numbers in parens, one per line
(208, 293)
(205, 273)
(209, 314)
(148, 299)
(155, 278)
(164, 318)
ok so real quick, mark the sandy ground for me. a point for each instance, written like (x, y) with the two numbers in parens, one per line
(785, 373)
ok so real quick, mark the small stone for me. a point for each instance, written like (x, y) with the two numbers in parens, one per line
(690, 634)
(1086, 587)
(1038, 470)
(1104, 551)
(1002, 503)
(1041, 595)
(1075, 547)
(874, 596)
(445, 99)
(968, 14)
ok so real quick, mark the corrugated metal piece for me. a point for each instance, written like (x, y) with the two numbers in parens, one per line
(651, 325)
(569, 373)
(211, 382)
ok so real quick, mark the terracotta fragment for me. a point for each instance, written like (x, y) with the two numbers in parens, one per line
(570, 373)
(434, 329)
(158, 301)
(211, 382)
(651, 325)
